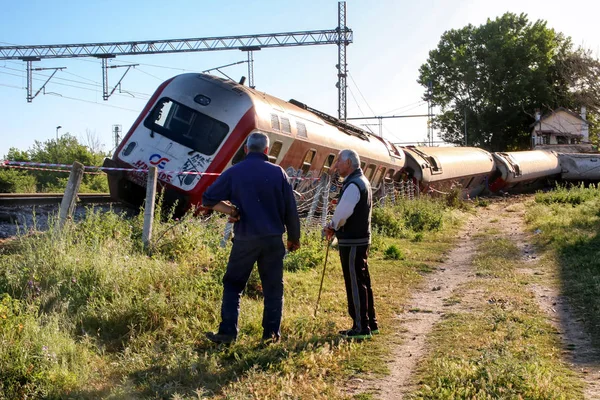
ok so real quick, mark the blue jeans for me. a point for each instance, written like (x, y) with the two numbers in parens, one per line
(268, 253)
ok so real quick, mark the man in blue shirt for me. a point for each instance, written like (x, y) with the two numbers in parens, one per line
(262, 205)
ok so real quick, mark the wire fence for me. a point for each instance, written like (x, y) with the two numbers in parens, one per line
(316, 198)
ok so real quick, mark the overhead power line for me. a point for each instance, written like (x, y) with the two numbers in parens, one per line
(341, 36)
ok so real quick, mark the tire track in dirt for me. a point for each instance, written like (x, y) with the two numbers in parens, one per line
(425, 309)
(577, 347)
(427, 305)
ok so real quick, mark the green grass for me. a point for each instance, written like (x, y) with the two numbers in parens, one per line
(567, 226)
(88, 314)
(499, 345)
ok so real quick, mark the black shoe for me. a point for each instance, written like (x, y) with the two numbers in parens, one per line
(220, 338)
(374, 330)
(355, 334)
(345, 331)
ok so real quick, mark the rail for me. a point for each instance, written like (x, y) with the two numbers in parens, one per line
(12, 199)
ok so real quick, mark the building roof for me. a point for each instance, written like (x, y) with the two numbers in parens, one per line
(548, 115)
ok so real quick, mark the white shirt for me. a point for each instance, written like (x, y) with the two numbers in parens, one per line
(345, 207)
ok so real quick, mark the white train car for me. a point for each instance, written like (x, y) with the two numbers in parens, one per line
(580, 167)
(441, 169)
(524, 170)
(195, 126)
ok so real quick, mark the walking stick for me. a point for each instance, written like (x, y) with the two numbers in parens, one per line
(322, 277)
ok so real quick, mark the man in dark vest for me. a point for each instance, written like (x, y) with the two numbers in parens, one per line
(351, 224)
(262, 204)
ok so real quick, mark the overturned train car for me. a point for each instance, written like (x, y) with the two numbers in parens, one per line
(521, 171)
(195, 125)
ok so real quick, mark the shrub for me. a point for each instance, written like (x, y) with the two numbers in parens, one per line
(424, 217)
(310, 254)
(568, 195)
(12, 181)
(393, 253)
(386, 221)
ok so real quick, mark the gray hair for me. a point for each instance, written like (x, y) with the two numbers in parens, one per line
(257, 142)
(351, 155)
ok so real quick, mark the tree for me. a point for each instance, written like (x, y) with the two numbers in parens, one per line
(493, 77)
(63, 150)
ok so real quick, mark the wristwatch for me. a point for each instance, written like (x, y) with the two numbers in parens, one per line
(235, 212)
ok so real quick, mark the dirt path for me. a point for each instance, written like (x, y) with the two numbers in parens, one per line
(428, 305)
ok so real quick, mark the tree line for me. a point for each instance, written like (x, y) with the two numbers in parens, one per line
(489, 80)
(63, 150)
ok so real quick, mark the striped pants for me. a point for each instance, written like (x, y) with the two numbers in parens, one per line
(358, 286)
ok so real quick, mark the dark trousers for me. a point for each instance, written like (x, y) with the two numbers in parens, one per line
(268, 253)
(358, 286)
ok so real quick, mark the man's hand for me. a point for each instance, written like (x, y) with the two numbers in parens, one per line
(234, 215)
(293, 245)
(328, 232)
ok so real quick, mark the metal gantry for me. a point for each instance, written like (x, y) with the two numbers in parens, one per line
(342, 66)
(341, 36)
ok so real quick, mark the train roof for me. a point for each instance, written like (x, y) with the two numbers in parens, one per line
(321, 128)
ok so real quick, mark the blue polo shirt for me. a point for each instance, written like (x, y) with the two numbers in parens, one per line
(262, 193)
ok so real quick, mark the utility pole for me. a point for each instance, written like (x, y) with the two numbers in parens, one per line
(117, 134)
(429, 114)
(465, 126)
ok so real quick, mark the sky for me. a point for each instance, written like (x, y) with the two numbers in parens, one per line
(391, 40)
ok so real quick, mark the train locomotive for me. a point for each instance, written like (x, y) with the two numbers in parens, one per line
(195, 125)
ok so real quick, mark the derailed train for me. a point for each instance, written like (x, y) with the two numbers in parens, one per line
(195, 125)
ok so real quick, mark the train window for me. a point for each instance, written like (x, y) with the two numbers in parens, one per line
(186, 126)
(328, 163)
(436, 167)
(301, 128)
(308, 159)
(275, 122)
(285, 125)
(239, 155)
(274, 151)
(369, 171)
(390, 174)
(378, 176)
(362, 165)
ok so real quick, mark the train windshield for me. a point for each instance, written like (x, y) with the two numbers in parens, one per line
(186, 126)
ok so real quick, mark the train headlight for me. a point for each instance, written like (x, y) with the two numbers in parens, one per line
(202, 100)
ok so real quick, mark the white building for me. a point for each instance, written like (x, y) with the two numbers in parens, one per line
(560, 127)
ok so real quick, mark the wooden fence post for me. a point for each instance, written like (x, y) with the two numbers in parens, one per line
(149, 208)
(67, 205)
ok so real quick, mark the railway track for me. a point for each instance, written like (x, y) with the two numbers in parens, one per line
(17, 199)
